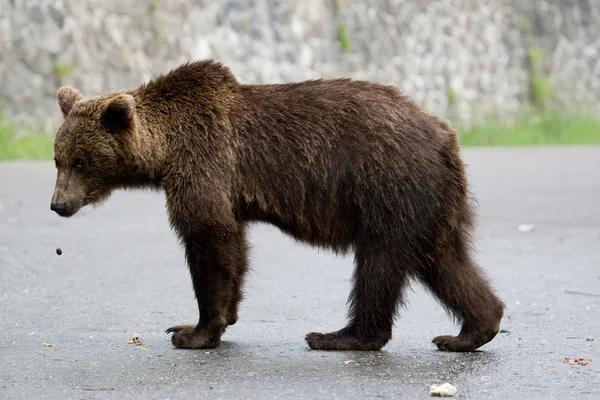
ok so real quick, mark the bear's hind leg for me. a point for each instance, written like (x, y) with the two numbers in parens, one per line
(379, 283)
(460, 285)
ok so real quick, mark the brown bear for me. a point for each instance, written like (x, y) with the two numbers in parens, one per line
(340, 164)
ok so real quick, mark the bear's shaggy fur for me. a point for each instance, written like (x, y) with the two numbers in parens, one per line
(341, 164)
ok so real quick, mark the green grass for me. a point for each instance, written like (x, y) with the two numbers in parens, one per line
(541, 129)
(555, 128)
(343, 37)
(34, 146)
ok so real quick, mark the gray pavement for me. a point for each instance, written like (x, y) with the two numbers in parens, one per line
(122, 272)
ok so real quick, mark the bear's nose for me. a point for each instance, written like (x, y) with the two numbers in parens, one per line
(58, 207)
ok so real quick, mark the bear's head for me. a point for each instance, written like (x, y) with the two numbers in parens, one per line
(90, 147)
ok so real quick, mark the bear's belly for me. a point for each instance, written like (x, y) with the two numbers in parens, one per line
(329, 227)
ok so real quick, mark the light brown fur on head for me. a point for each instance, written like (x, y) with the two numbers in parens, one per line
(99, 148)
(67, 97)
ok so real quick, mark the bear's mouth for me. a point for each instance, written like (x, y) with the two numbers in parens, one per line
(68, 210)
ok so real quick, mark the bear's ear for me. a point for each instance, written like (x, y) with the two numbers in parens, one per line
(118, 114)
(67, 96)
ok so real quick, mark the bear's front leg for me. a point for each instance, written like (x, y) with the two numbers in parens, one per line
(212, 256)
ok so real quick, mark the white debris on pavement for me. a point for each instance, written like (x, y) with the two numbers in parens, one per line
(445, 390)
(526, 228)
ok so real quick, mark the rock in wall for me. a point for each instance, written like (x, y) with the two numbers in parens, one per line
(460, 59)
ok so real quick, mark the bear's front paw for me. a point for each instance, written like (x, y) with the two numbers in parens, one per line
(194, 337)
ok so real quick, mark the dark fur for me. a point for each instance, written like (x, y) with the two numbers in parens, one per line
(340, 164)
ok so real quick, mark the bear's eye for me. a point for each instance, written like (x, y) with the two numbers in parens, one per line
(79, 163)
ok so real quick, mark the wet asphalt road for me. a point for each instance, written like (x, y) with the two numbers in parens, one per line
(122, 272)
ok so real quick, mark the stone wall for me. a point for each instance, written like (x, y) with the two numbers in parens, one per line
(461, 59)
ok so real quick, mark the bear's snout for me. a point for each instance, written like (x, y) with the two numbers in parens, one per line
(69, 194)
(63, 204)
